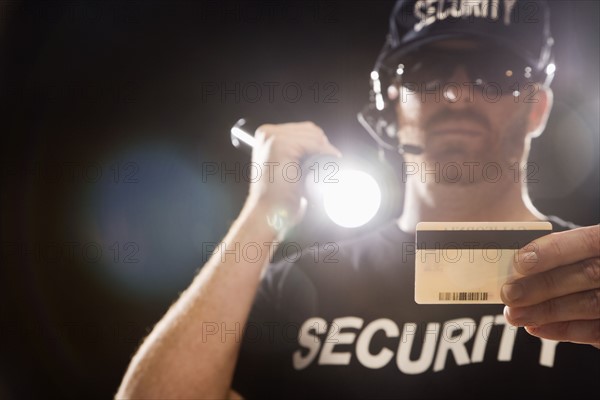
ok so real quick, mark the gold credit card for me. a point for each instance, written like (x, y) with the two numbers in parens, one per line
(468, 262)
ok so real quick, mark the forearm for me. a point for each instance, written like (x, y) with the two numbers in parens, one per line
(179, 359)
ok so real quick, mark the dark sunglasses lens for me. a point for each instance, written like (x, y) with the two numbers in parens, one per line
(430, 70)
(425, 74)
(509, 74)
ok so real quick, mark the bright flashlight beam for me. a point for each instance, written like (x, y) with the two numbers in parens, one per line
(354, 200)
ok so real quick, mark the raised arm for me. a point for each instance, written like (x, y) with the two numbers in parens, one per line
(182, 357)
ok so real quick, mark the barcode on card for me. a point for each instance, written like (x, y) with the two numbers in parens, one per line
(463, 296)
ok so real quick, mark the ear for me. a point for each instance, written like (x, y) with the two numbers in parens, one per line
(541, 104)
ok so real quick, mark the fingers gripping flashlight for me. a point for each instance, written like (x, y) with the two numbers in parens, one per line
(349, 196)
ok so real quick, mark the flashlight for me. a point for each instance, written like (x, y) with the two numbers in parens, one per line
(349, 196)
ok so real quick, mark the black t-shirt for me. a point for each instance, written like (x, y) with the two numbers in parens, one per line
(341, 322)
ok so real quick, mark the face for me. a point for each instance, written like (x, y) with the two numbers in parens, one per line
(457, 122)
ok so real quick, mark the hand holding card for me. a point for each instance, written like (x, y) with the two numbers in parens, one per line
(558, 295)
(469, 262)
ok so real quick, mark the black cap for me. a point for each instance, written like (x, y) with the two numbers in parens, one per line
(521, 26)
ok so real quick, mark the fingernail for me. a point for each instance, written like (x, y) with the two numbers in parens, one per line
(512, 291)
(532, 329)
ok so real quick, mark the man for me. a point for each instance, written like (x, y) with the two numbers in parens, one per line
(351, 328)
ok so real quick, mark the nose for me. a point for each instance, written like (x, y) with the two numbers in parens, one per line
(457, 89)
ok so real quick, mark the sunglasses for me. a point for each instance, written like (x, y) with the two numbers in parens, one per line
(433, 68)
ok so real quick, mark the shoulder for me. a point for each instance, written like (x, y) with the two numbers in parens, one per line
(332, 262)
(347, 252)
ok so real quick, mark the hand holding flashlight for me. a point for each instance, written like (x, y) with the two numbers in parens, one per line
(278, 155)
(310, 169)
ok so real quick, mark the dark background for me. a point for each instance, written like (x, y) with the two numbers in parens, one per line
(109, 124)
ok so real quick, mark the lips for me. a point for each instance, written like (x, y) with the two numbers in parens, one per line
(456, 131)
(469, 121)
(470, 129)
